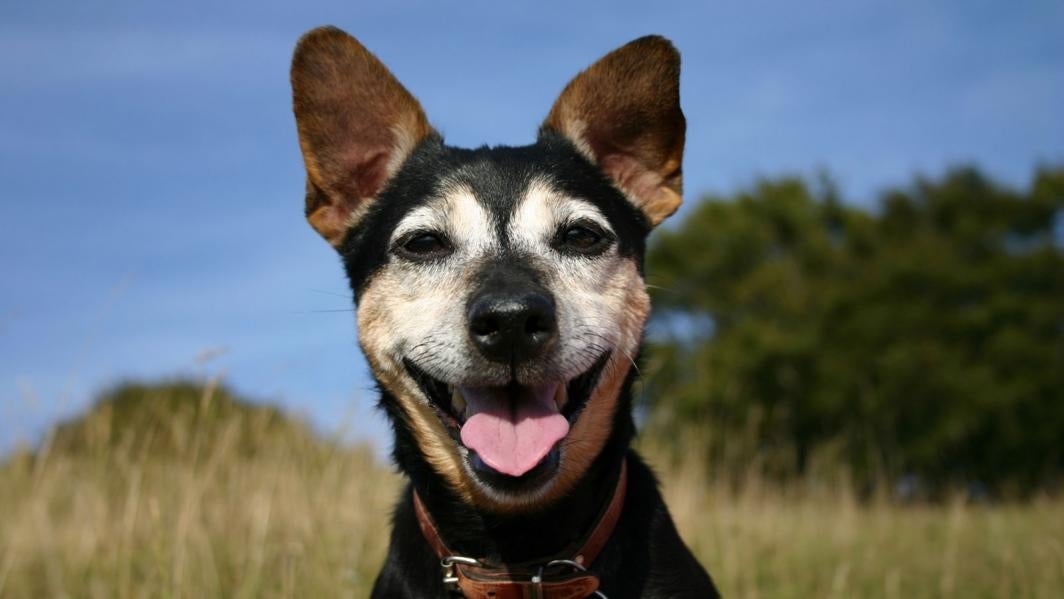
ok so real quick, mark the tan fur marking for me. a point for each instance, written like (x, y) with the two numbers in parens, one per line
(375, 326)
(591, 430)
(393, 313)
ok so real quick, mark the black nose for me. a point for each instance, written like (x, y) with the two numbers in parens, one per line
(512, 328)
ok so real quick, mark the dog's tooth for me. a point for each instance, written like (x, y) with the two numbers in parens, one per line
(458, 403)
(562, 396)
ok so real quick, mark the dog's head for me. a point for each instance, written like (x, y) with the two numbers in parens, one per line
(500, 293)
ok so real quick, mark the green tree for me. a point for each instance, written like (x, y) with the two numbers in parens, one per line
(923, 337)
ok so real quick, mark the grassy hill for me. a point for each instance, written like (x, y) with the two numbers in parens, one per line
(173, 418)
(187, 490)
(182, 489)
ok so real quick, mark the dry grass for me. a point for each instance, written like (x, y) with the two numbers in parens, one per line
(817, 540)
(303, 519)
(201, 517)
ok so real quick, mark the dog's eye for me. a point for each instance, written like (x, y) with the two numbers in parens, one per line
(422, 246)
(583, 238)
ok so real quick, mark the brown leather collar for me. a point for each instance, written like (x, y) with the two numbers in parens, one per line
(564, 576)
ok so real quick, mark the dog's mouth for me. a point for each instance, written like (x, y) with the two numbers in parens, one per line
(512, 431)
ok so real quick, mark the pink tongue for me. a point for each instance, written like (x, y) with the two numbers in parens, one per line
(512, 434)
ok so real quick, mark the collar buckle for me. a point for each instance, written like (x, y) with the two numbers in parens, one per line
(449, 565)
(574, 564)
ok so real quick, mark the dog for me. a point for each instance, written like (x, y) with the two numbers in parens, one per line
(501, 304)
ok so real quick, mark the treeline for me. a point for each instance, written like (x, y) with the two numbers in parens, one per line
(920, 339)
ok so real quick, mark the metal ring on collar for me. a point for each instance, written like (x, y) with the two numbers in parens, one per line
(572, 564)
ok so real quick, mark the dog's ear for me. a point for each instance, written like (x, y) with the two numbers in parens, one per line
(623, 113)
(356, 123)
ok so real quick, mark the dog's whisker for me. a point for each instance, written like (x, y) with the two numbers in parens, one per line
(332, 293)
(649, 286)
(329, 311)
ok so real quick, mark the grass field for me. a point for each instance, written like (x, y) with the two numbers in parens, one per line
(303, 518)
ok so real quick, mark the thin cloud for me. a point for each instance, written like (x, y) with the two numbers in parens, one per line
(36, 57)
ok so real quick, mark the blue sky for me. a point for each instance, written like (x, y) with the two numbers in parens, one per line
(151, 197)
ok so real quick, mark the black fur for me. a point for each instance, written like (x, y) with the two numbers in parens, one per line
(498, 176)
(645, 556)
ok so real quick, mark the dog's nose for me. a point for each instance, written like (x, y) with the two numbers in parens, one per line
(512, 328)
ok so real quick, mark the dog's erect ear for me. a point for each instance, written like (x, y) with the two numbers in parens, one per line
(623, 113)
(356, 125)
